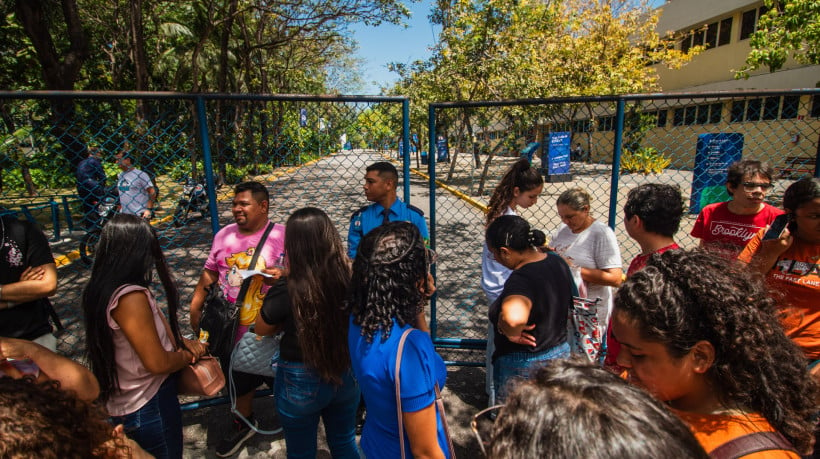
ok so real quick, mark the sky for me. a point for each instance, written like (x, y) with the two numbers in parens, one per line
(391, 43)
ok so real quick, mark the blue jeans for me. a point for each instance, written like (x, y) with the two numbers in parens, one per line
(518, 365)
(157, 426)
(302, 397)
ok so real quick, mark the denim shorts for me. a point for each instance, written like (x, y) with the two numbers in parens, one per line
(519, 365)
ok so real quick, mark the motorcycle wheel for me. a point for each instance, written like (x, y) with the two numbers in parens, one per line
(88, 246)
(181, 216)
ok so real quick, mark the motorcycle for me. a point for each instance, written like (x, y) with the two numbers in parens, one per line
(194, 198)
(106, 208)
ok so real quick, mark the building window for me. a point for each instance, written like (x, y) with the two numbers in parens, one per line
(738, 107)
(725, 34)
(703, 114)
(714, 113)
(771, 108)
(581, 126)
(677, 118)
(747, 23)
(660, 118)
(815, 106)
(753, 107)
(711, 35)
(790, 106)
(606, 123)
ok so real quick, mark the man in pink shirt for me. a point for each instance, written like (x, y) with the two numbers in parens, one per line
(726, 227)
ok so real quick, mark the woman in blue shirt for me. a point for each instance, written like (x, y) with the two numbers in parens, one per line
(389, 288)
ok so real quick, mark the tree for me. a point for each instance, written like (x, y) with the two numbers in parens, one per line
(789, 27)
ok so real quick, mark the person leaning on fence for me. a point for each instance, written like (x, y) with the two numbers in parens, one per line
(519, 187)
(134, 351)
(232, 250)
(530, 316)
(727, 227)
(388, 290)
(702, 334)
(307, 306)
(28, 276)
(90, 183)
(571, 408)
(137, 192)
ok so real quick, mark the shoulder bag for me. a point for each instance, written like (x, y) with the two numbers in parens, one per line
(220, 317)
(439, 402)
(205, 377)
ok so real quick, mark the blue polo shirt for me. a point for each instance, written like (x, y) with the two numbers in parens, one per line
(368, 217)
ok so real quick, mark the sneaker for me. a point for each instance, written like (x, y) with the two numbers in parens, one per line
(236, 437)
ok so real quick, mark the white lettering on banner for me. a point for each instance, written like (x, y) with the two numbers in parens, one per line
(739, 232)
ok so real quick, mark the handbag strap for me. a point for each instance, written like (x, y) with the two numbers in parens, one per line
(751, 443)
(246, 282)
(439, 401)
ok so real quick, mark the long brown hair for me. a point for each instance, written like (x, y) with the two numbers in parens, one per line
(317, 283)
(520, 175)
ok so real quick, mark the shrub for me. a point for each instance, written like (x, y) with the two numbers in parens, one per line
(645, 160)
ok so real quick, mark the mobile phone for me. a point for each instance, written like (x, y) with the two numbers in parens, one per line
(25, 366)
(776, 228)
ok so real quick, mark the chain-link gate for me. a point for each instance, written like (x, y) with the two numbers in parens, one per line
(615, 144)
(308, 150)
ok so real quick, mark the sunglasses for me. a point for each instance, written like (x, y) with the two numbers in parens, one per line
(749, 186)
(482, 426)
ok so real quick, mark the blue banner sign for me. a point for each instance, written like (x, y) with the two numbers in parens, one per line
(557, 153)
(715, 152)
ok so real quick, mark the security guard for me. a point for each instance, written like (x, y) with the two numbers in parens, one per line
(380, 184)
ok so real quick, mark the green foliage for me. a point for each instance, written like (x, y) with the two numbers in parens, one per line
(644, 161)
(789, 27)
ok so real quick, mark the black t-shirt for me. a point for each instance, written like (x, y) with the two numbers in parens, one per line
(22, 245)
(276, 310)
(548, 284)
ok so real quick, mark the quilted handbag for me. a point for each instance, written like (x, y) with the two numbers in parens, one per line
(583, 330)
(256, 354)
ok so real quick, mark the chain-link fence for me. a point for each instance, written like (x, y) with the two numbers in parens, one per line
(309, 151)
(606, 145)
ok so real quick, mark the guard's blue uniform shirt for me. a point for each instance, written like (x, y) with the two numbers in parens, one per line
(368, 217)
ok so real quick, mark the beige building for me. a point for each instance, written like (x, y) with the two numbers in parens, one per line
(724, 28)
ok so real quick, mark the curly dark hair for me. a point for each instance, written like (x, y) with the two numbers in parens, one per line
(41, 420)
(515, 233)
(801, 192)
(389, 277)
(520, 175)
(683, 297)
(660, 207)
(317, 282)
(571, 408)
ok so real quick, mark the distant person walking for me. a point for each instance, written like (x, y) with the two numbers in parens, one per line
(137, 192)
(90, 183)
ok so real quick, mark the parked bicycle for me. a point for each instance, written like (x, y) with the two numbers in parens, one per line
(194, 198)
(106, 208)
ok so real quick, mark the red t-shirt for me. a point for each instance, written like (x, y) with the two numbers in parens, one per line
(613, 347)
(795, 275)
(726, 232)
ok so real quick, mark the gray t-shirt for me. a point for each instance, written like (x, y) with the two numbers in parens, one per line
(133, 187)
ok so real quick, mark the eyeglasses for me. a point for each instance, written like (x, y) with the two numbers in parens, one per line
(749, 186)
(482, 425)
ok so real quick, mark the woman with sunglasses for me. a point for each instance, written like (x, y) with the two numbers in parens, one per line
(388, 290)
(726, 227)
(313, 377)
(530, 316)
(790, 263)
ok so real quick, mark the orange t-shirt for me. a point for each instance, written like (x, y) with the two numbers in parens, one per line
(797, 276)
(713, 430)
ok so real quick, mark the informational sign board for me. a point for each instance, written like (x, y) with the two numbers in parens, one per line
(715, 152)
(303, 117)
(442, 151)
(556, 157)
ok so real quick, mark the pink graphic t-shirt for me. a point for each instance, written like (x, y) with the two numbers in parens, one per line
(231, 253)
(728, 233)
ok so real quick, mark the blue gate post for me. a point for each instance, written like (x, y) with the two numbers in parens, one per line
(206, 158)
(55, 219)
(405, 153)
(431, 170)
(67, 210)
(616, 163)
